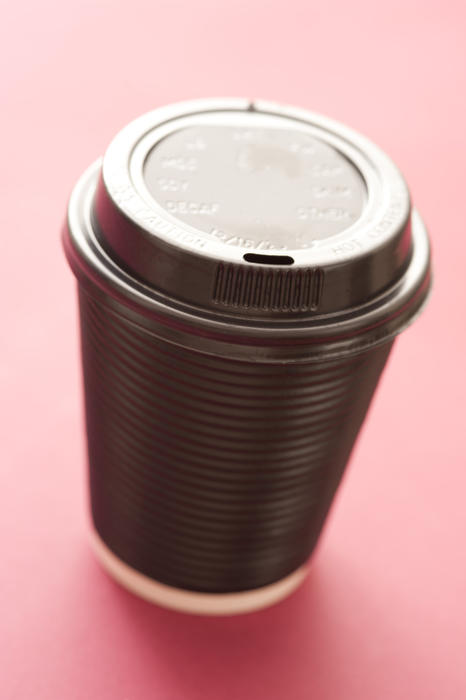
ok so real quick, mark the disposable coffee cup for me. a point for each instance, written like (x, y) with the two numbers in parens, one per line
(243, 270)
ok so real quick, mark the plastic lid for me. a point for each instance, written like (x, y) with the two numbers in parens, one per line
(250, 231)
(253, 209)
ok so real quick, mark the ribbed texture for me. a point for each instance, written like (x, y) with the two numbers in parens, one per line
(268, 289)
(209, 474)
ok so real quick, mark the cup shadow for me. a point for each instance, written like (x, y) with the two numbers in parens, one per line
(315, 644)
(341, 635)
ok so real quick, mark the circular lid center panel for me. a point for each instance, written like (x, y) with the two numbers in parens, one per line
(257, 187)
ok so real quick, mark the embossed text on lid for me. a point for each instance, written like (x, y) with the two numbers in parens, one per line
(258, 187)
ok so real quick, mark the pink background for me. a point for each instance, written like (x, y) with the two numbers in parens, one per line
(383, 615)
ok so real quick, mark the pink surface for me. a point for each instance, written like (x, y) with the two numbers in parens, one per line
(383, 615)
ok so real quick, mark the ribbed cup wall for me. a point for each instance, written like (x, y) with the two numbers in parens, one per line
(209, 474)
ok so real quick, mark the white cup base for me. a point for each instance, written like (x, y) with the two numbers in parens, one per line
(192, 601)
